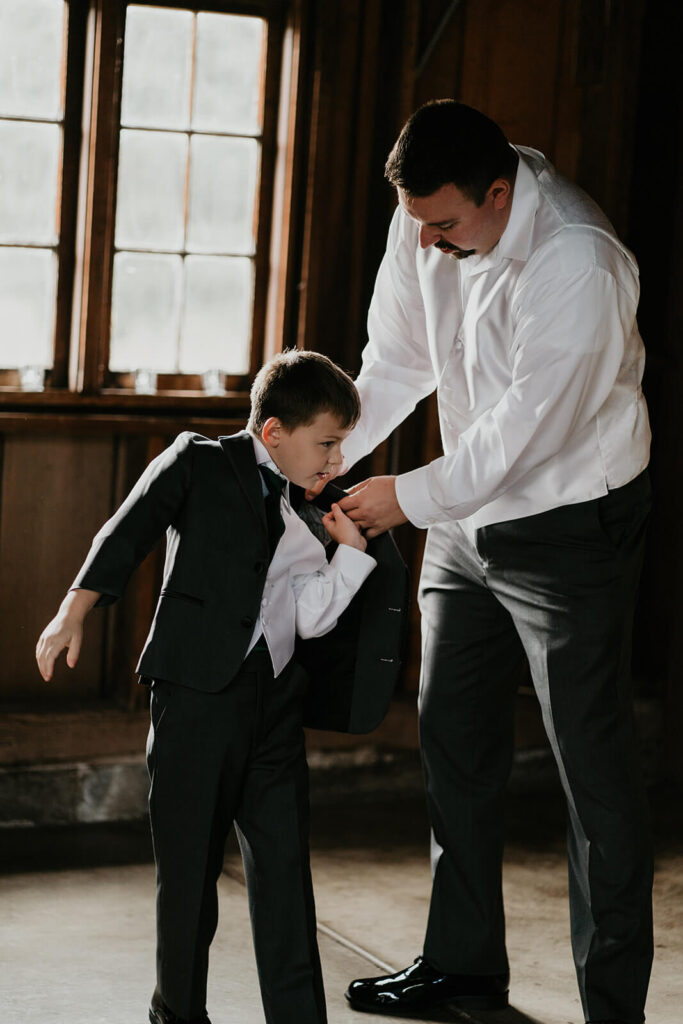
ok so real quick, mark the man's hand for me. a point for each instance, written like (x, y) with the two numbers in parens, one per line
(341, 529)
(65, 631)
(373, 506)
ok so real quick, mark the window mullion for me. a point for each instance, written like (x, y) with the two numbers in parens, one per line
(73, 97)
(93, 349)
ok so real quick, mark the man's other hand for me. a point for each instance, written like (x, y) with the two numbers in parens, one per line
(373, 506)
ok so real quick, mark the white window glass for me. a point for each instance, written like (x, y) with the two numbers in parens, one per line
(187, 184)
(30, 156)
(227, 93)
(32, 42)
(28, 288)
(157, 68)
(217, 314)
(150, 212)
(31, 48)
(222, 191)
(146, 291)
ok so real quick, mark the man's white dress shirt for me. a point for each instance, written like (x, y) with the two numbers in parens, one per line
(533, 349)
(304, 594)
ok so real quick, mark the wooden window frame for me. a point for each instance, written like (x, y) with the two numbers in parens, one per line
(94, 72)
(57, 376)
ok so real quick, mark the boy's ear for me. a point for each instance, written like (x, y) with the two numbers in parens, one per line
(271, 430)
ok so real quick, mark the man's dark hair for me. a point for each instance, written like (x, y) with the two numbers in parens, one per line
(296, 386)
(449, 143)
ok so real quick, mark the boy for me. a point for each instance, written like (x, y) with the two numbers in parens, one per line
(243, 574)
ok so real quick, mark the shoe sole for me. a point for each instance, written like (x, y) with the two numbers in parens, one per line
(499, 1002)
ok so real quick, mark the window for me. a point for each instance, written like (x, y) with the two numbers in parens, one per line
(137, 144)
(36, 143)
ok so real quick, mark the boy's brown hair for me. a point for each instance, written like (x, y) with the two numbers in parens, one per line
(296, 386)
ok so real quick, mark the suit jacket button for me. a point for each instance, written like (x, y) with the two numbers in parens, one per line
(248, 622)
(259, 567)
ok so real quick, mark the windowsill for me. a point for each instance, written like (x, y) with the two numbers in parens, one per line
(126, 400)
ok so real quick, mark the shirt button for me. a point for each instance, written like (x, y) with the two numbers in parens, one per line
(264, 602)
(248, 622)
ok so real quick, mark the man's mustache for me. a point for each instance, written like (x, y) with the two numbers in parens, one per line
(454, 250)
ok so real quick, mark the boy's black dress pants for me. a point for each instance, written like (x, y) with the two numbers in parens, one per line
(237, 755)
(557, 589)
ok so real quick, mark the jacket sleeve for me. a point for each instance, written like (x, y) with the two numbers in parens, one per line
(140, 522)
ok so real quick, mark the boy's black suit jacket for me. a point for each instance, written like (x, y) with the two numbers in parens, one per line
(206, 496)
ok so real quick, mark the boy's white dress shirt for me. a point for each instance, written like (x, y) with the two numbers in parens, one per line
(304, 594)
(534, 351)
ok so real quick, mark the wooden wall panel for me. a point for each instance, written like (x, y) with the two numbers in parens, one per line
(355, 82)
(511, 63)
(55, 495)
(439, 57)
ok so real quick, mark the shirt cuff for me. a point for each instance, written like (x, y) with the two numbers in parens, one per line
(412, 494)
(354, 565)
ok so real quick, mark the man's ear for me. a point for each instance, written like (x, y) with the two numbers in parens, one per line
(271, 430)
(500, 192)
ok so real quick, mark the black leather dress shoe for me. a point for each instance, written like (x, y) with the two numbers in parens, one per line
(421, 987)
(159, 1013)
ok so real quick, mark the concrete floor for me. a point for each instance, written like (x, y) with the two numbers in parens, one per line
(77, 939)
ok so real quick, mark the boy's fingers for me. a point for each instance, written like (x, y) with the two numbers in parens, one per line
(46, 665)
(73, 651)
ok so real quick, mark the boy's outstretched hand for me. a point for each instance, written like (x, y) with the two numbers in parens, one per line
(65, 631)
(342, 529)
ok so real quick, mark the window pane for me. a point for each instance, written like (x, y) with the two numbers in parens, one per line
(28, 288)
(217, 314)
(29, 173)
(227, 88)
(222, 191)
(150, 211)
(31, 55)
(145, 310)
(157, 68)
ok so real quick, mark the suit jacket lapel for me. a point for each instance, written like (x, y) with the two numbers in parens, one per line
(239, 449)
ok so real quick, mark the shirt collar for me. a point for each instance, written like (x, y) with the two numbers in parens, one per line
(515, 242)
(263, 459)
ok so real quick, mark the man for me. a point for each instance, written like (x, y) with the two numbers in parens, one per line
(506, 289)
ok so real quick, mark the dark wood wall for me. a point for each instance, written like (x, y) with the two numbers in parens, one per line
(585, 81)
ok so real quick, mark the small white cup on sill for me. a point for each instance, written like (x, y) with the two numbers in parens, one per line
(145, 382)
(213, 382)
(32, 378)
